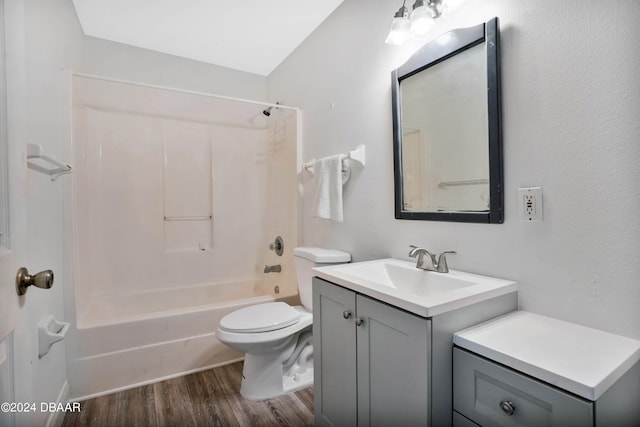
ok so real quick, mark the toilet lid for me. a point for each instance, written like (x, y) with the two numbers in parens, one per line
(260, 318)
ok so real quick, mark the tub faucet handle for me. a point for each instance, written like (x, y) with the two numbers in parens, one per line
(277, 246)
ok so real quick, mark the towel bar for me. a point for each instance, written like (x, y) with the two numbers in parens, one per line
(357, 155)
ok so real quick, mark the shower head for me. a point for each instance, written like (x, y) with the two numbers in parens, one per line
(267, 111)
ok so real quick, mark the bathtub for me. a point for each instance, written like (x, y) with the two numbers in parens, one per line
(130, 339)
(147, 227)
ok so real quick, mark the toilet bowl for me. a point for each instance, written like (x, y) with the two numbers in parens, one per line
(276, 337)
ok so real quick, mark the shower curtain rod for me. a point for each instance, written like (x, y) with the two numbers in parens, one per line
(190, 92)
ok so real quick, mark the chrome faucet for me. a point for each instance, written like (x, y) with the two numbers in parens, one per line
(430, 264)
(427, 261)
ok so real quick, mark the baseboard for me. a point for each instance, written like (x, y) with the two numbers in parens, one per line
(56, 418)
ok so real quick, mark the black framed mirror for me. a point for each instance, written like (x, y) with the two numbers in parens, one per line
(447, 138)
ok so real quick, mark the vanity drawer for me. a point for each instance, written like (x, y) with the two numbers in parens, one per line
(485, 392)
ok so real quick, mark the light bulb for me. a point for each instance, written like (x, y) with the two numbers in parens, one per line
(400, 30)
(421, 20)
(400, 27)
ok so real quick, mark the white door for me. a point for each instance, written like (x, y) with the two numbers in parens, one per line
(8, 304)
(13, 205)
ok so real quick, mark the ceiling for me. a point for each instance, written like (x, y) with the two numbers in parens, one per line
(249, 35)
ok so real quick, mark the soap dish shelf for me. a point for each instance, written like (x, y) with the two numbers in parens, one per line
(35, 151)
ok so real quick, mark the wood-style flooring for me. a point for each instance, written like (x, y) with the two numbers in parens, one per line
(208, 398)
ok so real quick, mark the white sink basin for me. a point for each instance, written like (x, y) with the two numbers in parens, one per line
(406, 278)
(425, 293)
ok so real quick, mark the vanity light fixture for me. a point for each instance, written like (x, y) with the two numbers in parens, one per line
(421, 19)
(400, 27)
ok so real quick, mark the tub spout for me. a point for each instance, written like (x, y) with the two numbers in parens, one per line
(272, 268)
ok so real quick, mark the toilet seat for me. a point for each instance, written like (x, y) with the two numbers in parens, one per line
(260, 318)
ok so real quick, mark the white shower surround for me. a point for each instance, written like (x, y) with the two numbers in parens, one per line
(149, 291)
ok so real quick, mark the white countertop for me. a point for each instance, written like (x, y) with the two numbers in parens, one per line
(578, 359)
(374, 278)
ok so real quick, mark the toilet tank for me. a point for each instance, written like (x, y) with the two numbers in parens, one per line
(305, 259)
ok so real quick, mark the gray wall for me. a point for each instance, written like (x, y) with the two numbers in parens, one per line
(571, 105)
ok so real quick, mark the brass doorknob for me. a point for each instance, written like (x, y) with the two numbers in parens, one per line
(43, 280)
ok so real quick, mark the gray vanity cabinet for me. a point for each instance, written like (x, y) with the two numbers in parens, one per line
(525, 369)
(371, 361)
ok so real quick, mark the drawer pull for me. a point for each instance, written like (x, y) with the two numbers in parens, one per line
(346, 314)
(359, 321)
(507, 407)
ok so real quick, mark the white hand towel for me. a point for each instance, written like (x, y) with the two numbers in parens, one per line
(328, 200)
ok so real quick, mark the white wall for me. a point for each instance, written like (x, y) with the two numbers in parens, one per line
(570, 92)
(53, 41)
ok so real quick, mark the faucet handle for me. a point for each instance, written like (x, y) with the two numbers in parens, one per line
(412, 252)
(442, 261)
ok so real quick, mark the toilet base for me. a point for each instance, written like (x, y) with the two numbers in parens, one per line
(264, 377)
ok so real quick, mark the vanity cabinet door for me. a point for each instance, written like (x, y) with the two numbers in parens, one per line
(371, 361)
(393, 365)
(334, 343)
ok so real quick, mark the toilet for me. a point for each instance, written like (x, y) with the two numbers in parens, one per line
(276, 336)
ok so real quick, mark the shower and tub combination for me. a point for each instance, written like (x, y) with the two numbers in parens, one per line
(176, 199)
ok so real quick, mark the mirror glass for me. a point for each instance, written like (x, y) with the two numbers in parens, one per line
(448, 162)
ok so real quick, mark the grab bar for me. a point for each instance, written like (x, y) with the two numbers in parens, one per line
(188, 218)
(443, 184)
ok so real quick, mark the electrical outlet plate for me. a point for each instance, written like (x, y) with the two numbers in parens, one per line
(530, 204)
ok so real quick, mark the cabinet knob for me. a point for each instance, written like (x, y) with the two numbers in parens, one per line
(359, 321)
(507, 407)
(346, 314)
